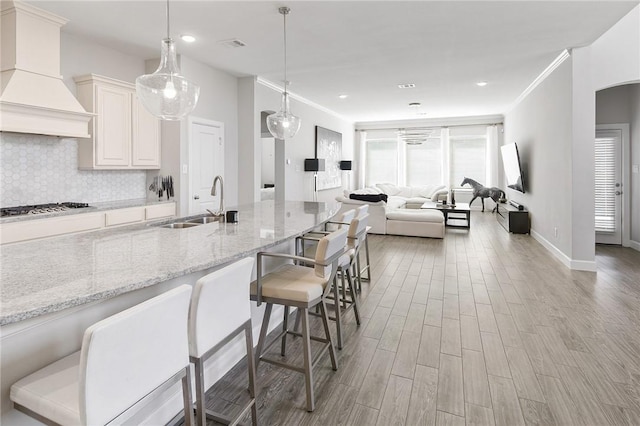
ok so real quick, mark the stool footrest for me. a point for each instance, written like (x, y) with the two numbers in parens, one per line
(283, 364)
(228, 420)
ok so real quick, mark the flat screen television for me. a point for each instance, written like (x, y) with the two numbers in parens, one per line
(512, 169)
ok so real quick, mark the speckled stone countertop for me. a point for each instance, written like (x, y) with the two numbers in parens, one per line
(93, 207)
(49, 275)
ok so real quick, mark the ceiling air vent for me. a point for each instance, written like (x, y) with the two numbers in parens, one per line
(406, 86)
(232, 43)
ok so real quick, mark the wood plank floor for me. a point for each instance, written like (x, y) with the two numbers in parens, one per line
(481, 328)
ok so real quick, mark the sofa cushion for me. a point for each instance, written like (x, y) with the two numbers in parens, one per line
(396, 202)
(415, 215)
(389, 188)
(417, 200)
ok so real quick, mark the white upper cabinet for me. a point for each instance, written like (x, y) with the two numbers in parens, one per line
(123, 134)
(146, 134)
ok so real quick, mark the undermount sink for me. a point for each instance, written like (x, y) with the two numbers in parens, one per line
(206, 219)
(179, 225)
(190, 222)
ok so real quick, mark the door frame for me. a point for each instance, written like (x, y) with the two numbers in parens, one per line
(204, 122)
(626, 178)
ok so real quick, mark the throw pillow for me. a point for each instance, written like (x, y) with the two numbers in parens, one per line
(371, 198)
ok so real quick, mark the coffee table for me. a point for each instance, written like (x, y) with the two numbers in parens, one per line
(447, 209)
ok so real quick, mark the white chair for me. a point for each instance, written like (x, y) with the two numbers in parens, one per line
(303, 288)
(347, 267)
(337, 222)
(126, 361)
(361, 211)
(220, 310)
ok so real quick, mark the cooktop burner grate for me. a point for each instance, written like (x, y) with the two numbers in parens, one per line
(41, 208)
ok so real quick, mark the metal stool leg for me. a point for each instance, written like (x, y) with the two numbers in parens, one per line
(352, 292)
(201, 418)
(325, 324)
(263, 332)
(338, 313)
(308, 372)
(251, 366)
(285, 328)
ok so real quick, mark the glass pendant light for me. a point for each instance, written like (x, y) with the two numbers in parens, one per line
(165, 93)
(283, 124)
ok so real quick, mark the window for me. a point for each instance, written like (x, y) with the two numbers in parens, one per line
(446, 157)
(424, 163)
(381, 161)
(467, 159)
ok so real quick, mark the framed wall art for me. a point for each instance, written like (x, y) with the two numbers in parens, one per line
(329, 147)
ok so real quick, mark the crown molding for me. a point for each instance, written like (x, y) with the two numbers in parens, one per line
(563, 56)
(271, 85)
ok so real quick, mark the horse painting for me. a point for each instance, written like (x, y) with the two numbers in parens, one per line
(480, 191)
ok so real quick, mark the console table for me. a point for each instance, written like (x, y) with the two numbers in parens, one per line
(512, 219)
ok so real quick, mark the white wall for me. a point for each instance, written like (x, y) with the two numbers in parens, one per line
(80, 56)
(218, 102)
(635, 163)
(613, 59)
(621, 104)
(541, 126)
(298, 184)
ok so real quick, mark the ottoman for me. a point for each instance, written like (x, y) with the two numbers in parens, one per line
(416, 223)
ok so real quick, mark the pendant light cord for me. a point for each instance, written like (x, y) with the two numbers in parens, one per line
(168, 28)
(284, 16)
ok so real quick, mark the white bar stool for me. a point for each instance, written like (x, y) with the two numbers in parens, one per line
(126, 361)
(361, 211)
(220, 310)
(303, 288)
(347, 267)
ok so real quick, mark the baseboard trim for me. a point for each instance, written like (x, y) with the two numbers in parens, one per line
(577, 265)
(634, 245)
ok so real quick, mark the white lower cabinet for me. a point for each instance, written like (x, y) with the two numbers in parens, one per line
(124, 216)
(41, 228)
(158, 211)
(14, 232)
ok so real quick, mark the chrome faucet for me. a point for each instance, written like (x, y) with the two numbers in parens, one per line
(220, 211)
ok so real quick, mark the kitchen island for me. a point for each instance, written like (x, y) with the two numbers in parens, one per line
(53, 289)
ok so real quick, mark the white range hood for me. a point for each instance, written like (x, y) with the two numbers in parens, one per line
(33, 97)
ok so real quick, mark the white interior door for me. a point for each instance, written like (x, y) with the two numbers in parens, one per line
(608, 186)
(206, 161)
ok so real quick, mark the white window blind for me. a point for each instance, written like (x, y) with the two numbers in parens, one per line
(467, 159)
(605, 175)
(424, 163)
(381, 162)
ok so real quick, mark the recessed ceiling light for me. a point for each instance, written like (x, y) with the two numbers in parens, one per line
(406, 86)
(481, 83)
(188, 38)
(343, 96)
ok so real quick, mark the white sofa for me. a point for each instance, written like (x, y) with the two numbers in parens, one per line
(400, 198)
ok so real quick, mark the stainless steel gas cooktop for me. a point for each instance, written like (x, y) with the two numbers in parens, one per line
(41, 208)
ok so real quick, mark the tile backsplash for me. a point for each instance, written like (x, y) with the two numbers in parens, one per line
(36, 169)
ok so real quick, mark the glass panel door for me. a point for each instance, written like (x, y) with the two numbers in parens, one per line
(608, 189)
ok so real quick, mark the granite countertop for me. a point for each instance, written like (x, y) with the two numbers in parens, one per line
(45, 276)
(93, 207)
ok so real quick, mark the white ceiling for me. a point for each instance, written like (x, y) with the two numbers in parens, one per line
(362, 48)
